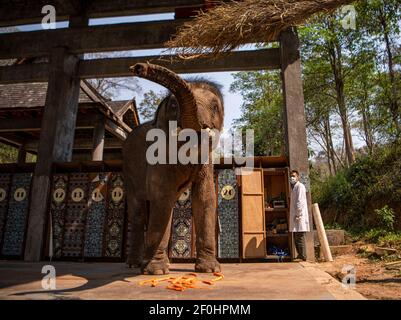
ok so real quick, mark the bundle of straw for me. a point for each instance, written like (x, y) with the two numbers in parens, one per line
(235, 23)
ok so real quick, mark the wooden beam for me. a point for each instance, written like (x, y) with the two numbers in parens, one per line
(25, 12)
(56, 142)
(21, 155)
(34, 124)
(115, 130)
(78, 40)
(37, 72)
(294, 119)
(81, 144)
(266, 59)
(98, 139)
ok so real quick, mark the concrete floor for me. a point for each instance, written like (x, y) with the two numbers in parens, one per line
(257, 281)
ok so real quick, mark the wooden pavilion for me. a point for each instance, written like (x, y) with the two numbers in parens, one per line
(66, 69)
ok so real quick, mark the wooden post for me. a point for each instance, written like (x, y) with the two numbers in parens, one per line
(56, 142)
(294, 118)
(98, 139)
(21, 155)
(321, 232)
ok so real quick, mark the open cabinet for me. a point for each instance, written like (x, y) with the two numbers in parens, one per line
(265, 214)
(276, 194)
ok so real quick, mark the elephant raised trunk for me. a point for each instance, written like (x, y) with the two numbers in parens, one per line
(178, 87)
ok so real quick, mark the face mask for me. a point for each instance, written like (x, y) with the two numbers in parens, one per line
(293, 180)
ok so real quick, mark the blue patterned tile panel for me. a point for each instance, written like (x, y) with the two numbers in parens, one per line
(228, 219)
(115, 217)
(17, 216)
(75, 215)
(58, 207)
(96, 215)
(181, 228)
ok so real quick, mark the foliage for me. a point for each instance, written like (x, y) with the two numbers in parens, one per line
(355, 193)
(386, 217)
(261, 109)
(8, 154)
(149, 104)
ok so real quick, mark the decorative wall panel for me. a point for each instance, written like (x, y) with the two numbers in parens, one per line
(228, 240)
(75, 215)
(96, 215)
(5, 182)
(115, 217)
(58, 205)
(14, 233)
(181, 228)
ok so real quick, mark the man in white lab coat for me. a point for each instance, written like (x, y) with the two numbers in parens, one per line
(299, 217)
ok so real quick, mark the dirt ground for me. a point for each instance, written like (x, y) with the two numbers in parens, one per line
(373, 280)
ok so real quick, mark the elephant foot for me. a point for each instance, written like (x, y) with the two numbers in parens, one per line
(156, 267)
(207, 265)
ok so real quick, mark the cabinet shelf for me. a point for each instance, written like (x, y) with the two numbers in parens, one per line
(276, 210)
(277, 235)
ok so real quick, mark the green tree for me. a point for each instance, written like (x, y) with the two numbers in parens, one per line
(262, 109)
(380, 19)
(148, 106)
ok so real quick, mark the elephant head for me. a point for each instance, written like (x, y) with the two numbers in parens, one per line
(200, 102)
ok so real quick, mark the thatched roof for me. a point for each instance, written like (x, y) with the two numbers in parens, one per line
(235, 23)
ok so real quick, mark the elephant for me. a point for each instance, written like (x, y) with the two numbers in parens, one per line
(153, 189)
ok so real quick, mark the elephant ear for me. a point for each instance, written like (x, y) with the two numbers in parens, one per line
(167, 111)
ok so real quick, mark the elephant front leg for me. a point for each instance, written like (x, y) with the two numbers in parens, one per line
(204, 213)
(157, 238)
(137, 214)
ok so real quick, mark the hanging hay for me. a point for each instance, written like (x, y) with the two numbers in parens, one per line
(235, 23)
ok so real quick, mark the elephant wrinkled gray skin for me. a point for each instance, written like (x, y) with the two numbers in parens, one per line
(152, 190)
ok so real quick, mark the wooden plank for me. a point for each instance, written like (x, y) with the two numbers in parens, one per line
(266, 59)
(127, 36)
(38, 72)
(56, 141)
(34, 124)
(14, 12)
(116, 130)
(253, 214)
(294, 118)
(81, 144)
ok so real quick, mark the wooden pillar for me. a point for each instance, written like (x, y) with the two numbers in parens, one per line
(56, 142)
(98, 139)
(21, 155)
(294, 118)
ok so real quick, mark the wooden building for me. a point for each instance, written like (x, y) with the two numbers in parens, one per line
(101, 126)
(64, 72)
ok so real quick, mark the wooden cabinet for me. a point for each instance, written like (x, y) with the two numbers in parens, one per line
(265, 213)
(253, 218)
(276, 191)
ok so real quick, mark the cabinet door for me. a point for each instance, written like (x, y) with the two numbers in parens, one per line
(253, 214)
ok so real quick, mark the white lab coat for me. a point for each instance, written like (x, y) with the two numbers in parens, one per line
(299, 207)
